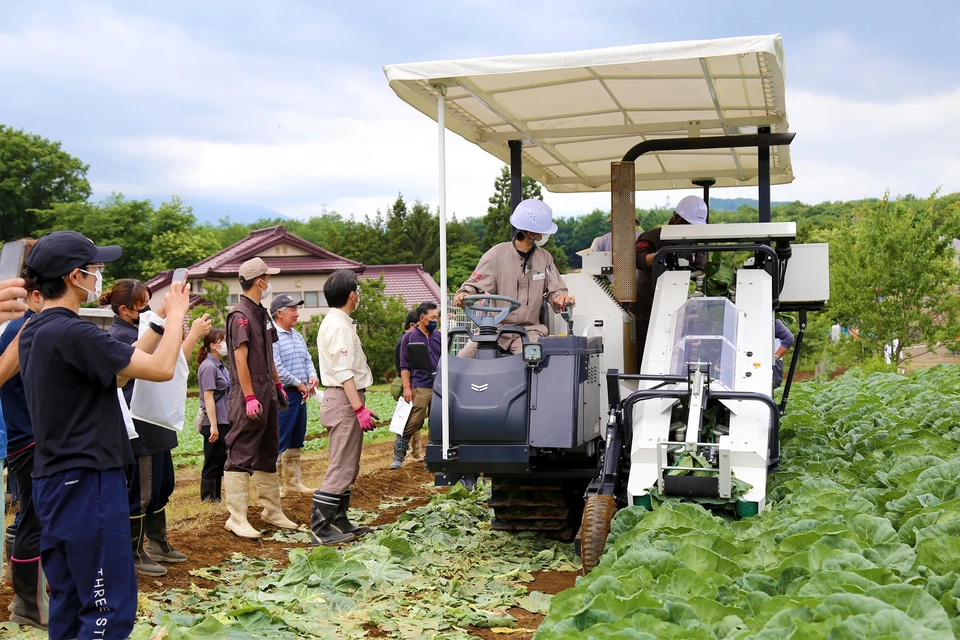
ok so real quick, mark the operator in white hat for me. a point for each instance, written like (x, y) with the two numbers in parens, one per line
(690, 210)
(521, 269)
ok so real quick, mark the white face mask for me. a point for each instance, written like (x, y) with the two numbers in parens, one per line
(268, 290)
(222, 350)
(543, 240)
(93, 296)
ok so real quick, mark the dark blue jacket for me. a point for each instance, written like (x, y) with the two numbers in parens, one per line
(13, 399)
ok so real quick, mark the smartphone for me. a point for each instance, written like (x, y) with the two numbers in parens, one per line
(11, 259)
(180, 275)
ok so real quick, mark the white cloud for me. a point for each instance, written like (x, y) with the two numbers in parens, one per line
(291, 133)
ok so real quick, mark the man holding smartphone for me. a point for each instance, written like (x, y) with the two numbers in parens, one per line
(255, 400)
(71, 370)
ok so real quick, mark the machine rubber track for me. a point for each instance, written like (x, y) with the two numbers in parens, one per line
(598, 512)
(523, 506)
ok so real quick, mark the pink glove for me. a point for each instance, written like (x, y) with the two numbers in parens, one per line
(253, 407)
(366, 418)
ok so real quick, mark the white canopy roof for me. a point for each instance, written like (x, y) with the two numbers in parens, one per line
(576, 112)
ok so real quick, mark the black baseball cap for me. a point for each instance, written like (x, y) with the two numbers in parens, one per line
(283, 300)
(60, 252)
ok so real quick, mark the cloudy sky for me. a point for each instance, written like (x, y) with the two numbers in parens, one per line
(284, 104)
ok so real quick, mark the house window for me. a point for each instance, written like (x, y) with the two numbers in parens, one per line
(314, 299)
(233, 299)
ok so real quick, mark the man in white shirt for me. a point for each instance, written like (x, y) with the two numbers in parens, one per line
(345, 374)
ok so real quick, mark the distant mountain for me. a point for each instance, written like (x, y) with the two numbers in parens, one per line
(210, 211)
(213, 211)
(732, 204)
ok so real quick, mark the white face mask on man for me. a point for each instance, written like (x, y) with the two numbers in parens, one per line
(268, 290)
(94, 295)
(544, 238)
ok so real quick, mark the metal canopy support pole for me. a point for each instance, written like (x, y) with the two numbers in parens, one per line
(623, 211)
(444, 324)
(706, 183)
(763, 175)
(516, 173)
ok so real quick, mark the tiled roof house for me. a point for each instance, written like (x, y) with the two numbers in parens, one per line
(304, 268)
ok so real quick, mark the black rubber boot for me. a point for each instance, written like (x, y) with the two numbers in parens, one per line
(325, 508)
(142, 561)
(155, 526)
(341, 521)
(9, 538)
(210, 490)
(399, 452)
(31, 604)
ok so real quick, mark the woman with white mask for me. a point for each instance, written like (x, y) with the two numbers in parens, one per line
(214, 381)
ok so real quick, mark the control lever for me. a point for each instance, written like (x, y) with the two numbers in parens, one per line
(567, 314)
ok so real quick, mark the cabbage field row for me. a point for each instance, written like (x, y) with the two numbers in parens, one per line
(862, 539)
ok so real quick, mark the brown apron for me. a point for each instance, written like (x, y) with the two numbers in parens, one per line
(252, 444)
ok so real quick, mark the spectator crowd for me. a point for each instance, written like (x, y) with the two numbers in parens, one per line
(91, 419)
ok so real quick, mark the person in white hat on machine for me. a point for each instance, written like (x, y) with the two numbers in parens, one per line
(521, 269)
(690, 210)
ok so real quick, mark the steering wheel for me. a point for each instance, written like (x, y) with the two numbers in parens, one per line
(481, 315)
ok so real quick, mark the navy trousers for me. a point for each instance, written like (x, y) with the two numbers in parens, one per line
(86, 553)
(293, 421)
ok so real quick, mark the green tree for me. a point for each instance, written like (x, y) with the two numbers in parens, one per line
(578, 233)
(894, 274)
(461, 262)
(497, 227)
(214, 302)
(35, 174)
(114, 221)
(153, 240)
(379, 322)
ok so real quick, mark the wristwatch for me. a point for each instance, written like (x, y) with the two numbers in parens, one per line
(157, 328)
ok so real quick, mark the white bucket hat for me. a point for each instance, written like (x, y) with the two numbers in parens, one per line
(534, 216)
(692, 209)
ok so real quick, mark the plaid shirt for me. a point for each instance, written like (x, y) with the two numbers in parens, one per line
(294, 365)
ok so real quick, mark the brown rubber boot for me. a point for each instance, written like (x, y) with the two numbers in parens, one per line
(292, 480)
(268, 492)
(237, 489)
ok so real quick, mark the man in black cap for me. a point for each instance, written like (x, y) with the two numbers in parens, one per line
(299, 379)
(70, 370)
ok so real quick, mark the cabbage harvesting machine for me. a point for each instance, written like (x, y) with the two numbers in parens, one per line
(578, 426)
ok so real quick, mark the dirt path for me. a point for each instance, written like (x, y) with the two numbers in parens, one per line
(196, 529)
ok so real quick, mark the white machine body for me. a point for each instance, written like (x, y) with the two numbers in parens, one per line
(742, 354)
